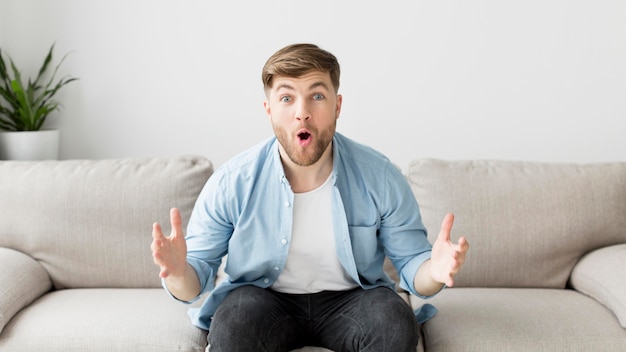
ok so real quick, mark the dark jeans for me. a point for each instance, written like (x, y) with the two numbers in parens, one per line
(255, 319)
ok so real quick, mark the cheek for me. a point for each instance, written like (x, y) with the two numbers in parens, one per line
(280, 110)
(280, 117)
(280, 120)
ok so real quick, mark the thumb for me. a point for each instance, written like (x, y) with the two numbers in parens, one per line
(446, 227)
(177, 227)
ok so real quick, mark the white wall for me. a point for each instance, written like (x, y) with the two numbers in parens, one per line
(540, 80)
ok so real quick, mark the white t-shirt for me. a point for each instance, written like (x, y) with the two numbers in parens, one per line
(312, 265)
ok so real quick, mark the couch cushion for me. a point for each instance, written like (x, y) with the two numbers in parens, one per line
(89, 222)
(601, 274)
(499, 320)
(22, 280)
(103, 320)
(527, 223)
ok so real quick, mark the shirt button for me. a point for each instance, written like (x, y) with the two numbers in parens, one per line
(266, 280)
(276, 268)
(287, 204)
(283, 241)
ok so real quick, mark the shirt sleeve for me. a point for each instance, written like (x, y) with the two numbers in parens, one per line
(401, 231)
(209, 230)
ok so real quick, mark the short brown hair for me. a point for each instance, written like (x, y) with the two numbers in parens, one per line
(298, 59)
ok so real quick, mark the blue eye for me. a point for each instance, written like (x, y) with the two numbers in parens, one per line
(318, 97)
(285, 99)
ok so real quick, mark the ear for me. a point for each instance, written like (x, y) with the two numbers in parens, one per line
(338, 107)
(268, 111)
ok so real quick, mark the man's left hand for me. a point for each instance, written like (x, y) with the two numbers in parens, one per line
(447, 257)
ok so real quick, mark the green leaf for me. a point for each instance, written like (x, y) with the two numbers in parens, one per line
(26, 106)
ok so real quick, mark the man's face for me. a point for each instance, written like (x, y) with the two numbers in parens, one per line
(303, 112)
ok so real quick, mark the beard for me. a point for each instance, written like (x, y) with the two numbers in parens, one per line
(309, 155)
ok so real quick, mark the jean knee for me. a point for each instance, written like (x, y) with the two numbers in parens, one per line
(239, 300)
(235, 316)
(250, 319)
(376, 320)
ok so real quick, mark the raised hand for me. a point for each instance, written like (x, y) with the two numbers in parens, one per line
(447, 257)
(170, 253)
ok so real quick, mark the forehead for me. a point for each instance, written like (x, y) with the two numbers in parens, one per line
(307, 81)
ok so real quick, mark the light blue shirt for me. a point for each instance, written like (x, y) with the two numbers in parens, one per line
(245, 210)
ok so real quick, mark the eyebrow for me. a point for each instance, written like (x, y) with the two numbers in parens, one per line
(311, 87)
(319, 84)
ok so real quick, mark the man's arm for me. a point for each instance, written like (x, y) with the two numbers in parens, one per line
(446, 260)
(170, 254)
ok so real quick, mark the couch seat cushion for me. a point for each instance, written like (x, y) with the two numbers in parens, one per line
(491, 319)
(103, 320)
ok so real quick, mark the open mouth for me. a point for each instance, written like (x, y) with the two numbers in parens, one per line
(303, 136)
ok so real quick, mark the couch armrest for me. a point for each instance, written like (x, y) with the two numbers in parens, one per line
(22, 280)
(601, 275)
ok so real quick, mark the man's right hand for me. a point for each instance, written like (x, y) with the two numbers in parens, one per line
(170, 253)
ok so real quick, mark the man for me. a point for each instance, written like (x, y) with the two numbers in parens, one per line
(306, 219)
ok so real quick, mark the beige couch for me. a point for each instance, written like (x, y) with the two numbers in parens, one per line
(546, 270)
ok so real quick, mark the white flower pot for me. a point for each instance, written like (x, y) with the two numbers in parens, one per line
(29, 145)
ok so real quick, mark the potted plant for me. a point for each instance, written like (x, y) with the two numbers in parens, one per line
(24, 109)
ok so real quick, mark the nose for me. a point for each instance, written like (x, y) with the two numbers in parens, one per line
(303, 112)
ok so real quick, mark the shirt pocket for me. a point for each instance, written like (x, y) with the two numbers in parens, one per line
(365, 246)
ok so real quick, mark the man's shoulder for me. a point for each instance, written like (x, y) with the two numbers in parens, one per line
(249, 160)
(360, 154)
(359, 161)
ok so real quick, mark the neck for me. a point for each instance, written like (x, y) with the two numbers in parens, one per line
(307, 178)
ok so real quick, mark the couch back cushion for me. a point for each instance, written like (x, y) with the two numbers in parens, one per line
(527, 223)
(89, 222)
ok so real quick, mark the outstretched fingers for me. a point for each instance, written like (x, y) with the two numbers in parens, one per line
(158, 240)
(157, 237)
(448, 257)
(169, 253)
(458, 256)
